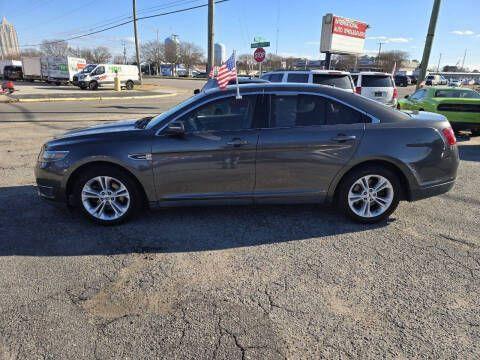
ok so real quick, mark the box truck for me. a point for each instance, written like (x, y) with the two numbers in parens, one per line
(4, 63)
(62, 68)
(32, 68)
(104, 75)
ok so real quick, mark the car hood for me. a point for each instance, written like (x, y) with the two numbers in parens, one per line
(118, 126)
(425, 115)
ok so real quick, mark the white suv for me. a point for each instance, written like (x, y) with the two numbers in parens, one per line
(338, 79)
(377, 86)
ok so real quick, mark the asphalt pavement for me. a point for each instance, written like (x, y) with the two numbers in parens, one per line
(265, 282)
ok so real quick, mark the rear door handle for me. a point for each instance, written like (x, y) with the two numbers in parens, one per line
(237, 142)
(342, 137)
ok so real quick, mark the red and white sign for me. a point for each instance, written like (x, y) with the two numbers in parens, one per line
(259, 55)
(342, 36)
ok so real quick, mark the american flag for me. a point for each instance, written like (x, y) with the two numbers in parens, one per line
(227, 72)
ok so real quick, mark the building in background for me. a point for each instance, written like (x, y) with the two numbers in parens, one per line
(219, 54)
(9, 48)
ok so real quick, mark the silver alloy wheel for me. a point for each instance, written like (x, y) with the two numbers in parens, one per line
(370, 196)
(105, 198)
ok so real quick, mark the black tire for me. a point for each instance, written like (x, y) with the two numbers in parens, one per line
(129, 85)
(93, 85)
(349, 180)
(133, 191)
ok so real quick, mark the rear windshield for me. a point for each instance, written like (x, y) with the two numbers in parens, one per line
(376, 81)
(462, 94)
(339, 81)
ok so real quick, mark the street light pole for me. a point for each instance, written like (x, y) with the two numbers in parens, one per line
(428, 42)
(137, 49)
(210, 51)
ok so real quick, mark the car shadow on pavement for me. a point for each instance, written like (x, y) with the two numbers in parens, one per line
(30, 226)
(469, 152)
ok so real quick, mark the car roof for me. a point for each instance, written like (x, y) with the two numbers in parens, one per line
(372, 73)
(361, 103)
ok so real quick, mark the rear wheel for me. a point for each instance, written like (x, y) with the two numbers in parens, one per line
(129, 85)
(107, 195)
(93, 85)
(369, 194)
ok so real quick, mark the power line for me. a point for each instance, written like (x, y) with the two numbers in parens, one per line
(122, 24)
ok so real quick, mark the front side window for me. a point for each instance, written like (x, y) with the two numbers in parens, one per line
(99, 70)
(297, 78)
(418, 95)
(228, 114)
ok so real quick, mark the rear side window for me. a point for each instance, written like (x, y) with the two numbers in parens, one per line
(265, 77)
(297, 78)
(337, 113)
(276, 77)
(376, 81)
(297, 110)
(310, 110)
(339, 81)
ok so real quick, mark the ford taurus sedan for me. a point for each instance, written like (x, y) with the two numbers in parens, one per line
(278, 143)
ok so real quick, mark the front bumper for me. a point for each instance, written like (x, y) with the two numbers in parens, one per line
(50, 184)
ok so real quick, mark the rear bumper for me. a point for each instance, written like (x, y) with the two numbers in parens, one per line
(429, 191)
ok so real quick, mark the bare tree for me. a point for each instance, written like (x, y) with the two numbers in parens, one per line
(344, 62)
(54, 47)
(153, 52)
(388, 59)
(190, 54)
(100, 54)
(118, 59)
(31, 52)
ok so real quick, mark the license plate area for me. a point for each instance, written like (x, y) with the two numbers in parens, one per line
(378, 94)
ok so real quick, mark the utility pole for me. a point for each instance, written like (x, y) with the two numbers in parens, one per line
(428, 42)
(124, 44)
(439, 60)
(211, 35)
(379, 52)
(463, 61)
(137, 49)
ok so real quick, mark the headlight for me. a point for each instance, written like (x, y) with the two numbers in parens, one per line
(52, 155)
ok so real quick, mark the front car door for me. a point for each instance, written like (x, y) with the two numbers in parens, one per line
(308, 140)
(214, 159)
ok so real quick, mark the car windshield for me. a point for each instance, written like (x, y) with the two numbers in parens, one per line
(88, 68)
(340, 81)
(159, 118)
(377, 81)
(462, 94)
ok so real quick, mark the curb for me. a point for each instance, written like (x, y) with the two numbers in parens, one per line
(96, 98)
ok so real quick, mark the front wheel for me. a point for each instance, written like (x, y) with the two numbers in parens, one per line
(129, 85)
(107, 195)
(93, 85)
(369, 194)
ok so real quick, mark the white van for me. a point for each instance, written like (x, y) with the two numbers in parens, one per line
(104, 75)
(434, 80)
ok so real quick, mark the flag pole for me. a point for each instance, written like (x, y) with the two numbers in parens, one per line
(236, 76)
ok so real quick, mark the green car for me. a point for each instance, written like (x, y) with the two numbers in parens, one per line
(461, 106)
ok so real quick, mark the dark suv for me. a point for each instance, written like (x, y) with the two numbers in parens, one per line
(12, 72)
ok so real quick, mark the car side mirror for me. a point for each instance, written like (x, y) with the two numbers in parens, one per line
(175, 129)
(196, 91)
(407, 96)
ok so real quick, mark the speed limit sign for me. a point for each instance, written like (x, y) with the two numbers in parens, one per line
(259, 55)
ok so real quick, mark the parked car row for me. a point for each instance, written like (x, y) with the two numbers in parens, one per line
(377, 86)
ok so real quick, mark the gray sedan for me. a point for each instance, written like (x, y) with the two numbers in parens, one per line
(278, 143)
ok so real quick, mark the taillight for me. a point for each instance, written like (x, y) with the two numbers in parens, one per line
(395, 93)
(449, 136)
(358, 89)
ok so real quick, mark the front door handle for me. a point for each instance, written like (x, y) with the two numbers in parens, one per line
(237, 142)
(343, 137)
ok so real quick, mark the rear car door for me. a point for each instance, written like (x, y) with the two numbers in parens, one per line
(378, 87)
(309, 138)
(214, 159)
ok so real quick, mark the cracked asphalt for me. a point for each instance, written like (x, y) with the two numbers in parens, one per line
(268, 282)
